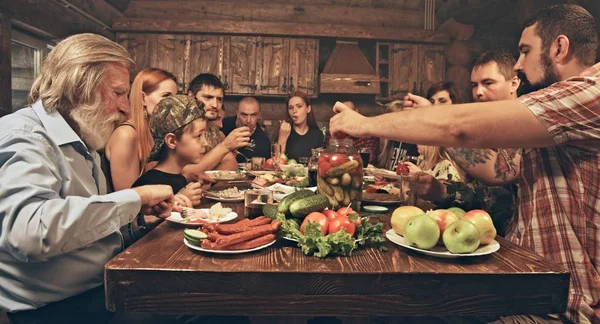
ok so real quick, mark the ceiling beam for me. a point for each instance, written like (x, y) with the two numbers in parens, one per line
(278, 28)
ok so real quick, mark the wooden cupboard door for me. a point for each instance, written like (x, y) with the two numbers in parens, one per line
(242, 64)
(167, 53)
(432, 66)
(205, 56)
(138, 46)
(404, 71)
(302, 68)
(272, 65)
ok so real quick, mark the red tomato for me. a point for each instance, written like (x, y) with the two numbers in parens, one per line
(324, 157)
(339, 159)
(269, 164)
(345, 211)
(355, 219)
(337, 224)
(318, 218)
(323, 168)
(402, 169)
(331, 214)
(282, 161)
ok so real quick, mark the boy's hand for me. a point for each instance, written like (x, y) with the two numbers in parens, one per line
(193, 191)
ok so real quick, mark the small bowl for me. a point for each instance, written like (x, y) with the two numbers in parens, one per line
(292, 167)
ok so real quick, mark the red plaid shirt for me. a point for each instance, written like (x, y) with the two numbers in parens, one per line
(559, 189)
(370, 143)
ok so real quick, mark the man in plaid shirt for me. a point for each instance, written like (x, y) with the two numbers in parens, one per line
(558, 172)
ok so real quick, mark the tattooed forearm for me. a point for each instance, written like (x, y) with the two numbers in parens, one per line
(505, 165)
(466, 158)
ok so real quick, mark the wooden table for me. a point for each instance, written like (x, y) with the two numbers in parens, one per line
(159, 274)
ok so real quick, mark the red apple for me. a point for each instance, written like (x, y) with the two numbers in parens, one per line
(401, 215)
(443, 218)
(269, 164)
(484, 224)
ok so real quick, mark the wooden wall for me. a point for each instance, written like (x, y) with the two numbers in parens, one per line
(5, 70)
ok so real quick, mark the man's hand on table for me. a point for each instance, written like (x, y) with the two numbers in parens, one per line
(157, 200)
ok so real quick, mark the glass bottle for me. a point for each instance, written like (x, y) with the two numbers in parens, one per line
(313, 166)
(340, 174)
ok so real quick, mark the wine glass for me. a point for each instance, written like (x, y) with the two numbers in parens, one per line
(276, 154)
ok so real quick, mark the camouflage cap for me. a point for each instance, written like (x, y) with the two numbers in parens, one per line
(170, 114)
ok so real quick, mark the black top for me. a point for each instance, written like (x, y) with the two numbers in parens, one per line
(153, 177)
(300, 145)
(262, 143)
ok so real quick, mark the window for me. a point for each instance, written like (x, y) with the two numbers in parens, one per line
(26, 57)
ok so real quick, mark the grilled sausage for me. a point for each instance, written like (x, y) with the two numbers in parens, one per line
(246, 245)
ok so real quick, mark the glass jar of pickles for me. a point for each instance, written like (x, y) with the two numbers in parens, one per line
(340, 174)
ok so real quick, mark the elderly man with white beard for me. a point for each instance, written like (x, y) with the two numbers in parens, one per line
(59, 225)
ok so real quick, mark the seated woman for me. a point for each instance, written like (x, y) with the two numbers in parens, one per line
(444, 93)
(128, 148)
(392, 152)
(299, 133)
(436, 162)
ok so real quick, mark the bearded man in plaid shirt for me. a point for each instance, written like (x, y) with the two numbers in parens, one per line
(558, 170)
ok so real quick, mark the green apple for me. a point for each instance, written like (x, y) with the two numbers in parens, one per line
(401, 215)
(461, 236)
(283, 157)
(421, 231)
(459, 212)
(292, 161)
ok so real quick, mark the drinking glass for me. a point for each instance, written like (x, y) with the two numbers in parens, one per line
(257, 163)
(365, 155)
(276, 154)
(254, 200)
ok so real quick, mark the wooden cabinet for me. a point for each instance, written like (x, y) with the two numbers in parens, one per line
(407, 68)
(272, 70)
(203, 54)
(302, 72)
(247, 65)
(163, 51)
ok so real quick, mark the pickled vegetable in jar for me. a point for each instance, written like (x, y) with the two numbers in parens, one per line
(340, 174)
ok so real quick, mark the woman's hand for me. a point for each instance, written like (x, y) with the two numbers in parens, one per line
(284, 131)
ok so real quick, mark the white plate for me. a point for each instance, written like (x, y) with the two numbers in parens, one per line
(223, 199)
(286, 189)
(440, 251)
(383, 173)
(225, 175)
(176, 218)
(199, 248)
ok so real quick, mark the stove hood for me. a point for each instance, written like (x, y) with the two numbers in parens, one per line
(348, 71)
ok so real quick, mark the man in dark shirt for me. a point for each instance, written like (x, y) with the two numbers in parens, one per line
(248, 114)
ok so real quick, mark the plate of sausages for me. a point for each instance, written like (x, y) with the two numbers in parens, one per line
(244, 236)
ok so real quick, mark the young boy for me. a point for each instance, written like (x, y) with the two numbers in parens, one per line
(177, 126)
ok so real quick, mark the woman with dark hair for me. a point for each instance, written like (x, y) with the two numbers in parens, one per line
(299, 133)
(444, 93)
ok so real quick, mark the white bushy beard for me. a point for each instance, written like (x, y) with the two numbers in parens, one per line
(95, 126)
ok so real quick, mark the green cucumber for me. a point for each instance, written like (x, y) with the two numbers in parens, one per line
(284, 205)
(302, 207)
(194, 235)
(270, 211)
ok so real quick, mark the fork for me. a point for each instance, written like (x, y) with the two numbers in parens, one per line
(187, 212)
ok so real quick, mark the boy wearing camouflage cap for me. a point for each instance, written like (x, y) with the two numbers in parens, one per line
(177, 126)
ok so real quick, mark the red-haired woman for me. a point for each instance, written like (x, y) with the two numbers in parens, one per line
(299, 133)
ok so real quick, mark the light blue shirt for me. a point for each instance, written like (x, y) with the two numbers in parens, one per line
(59, 227)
